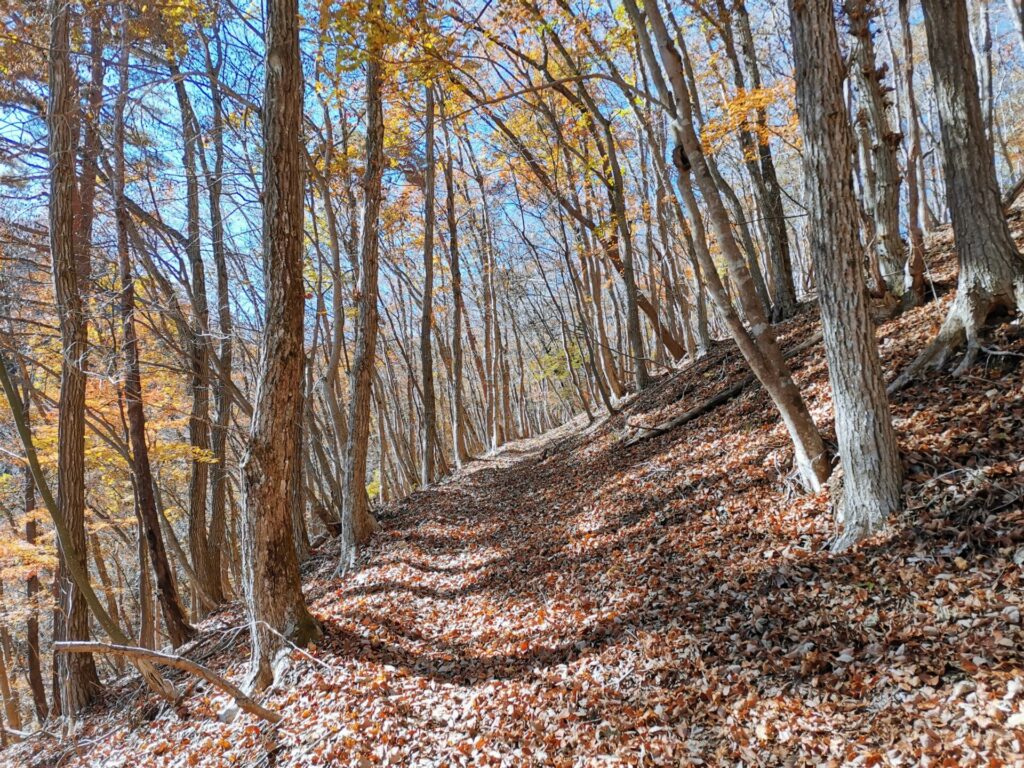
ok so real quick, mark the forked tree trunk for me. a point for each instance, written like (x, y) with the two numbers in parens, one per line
(272, 470)
(991, 268)
(913, 281)
(867, 443)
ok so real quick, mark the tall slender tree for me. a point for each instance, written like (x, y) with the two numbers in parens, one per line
(78, 678)
(428, 463)
(178, 628)
(357, 522)
(272, 468)
(867, 443)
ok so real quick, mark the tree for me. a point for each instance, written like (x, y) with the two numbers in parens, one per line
(758, 345)
(427, 318)
(867, 443)
(357, 522)
(198, 343)
(884, 197)
(991, 268)
(272, 468)
(223, 397)
(79, 681)
(913, 286)
(460, 448)
(767, 183)
(178, 628)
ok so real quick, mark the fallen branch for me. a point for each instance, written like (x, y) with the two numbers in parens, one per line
(175, 662)
(713, 402)
(710, 404)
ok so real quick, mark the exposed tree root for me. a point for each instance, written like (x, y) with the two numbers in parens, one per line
(967, 317)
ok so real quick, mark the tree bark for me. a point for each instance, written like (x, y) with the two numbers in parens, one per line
(868, 452)
(272, 469)
(78, 678)
(991, 268)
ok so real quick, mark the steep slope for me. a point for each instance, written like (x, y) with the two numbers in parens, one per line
(574, 600)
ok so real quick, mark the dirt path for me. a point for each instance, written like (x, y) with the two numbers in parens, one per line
(574, 601)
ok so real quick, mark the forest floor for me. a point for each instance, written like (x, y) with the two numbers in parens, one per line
(574, 601)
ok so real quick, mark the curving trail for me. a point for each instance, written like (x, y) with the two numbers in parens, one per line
(576, 601)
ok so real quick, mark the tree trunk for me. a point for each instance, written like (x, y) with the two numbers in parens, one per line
(9, 693)
(357, 522)
(991, 268)
(198, 345)
(147, 616)
(783, 290)
(78, 678)
(867, 443)
(178, 629)
(272, 470)
(223, 399)
(884, 199)
(427, 318)
(758, 345)
(34, 666)
(461, 449)
(913, 282)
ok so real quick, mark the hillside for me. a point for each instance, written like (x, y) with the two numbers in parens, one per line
(574, 600)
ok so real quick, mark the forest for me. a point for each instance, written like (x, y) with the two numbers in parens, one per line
(511, 382)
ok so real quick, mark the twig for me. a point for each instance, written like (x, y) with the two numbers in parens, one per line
(302, 651)
(993, 352)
